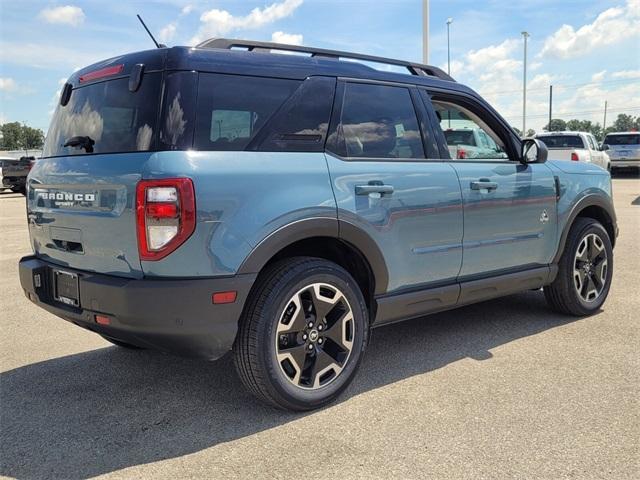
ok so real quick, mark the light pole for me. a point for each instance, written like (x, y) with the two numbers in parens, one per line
(425, 31)
(524, 87)
(449, 22)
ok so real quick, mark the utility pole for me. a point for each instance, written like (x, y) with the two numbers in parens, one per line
(425, 31)
(449, 22)
(524, 87)
(604, 122)
(550, 103)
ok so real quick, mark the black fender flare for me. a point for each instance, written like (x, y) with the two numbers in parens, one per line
(319, 227)
(604, 203)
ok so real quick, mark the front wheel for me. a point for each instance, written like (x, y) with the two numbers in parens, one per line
(302, 335)
(585, 270)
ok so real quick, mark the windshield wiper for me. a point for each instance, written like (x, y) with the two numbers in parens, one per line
(85, 142)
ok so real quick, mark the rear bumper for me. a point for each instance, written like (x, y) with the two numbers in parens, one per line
(625, 163)
(175, 316)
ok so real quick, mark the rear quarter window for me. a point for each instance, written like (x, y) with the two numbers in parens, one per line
(562, 141)
(232, 109)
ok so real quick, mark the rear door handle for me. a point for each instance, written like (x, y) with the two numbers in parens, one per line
(373, 188)
(483, 184)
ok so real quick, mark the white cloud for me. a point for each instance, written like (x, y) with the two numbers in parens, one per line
(7, 84)
(287, 38)
(610, 27)
(186, 10)
(626, 74)
(217, 22)
(167, 32)
(67, 15)
(598, 76)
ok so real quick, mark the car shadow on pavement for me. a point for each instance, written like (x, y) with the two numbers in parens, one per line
(104, 410)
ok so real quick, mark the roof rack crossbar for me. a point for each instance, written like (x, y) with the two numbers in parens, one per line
(413, 68)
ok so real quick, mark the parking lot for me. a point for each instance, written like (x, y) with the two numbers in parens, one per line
(503, 389)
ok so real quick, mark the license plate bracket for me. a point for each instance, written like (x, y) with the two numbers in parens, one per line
(66, 288)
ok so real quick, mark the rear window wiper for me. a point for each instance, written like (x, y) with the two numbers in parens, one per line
(85, 142)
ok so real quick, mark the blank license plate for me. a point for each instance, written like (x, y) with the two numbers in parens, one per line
(65, 288)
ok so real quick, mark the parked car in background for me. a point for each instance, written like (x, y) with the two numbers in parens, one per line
(469, 143)
(281, 206)
(13, 173)
(575, 146)
(623, 148)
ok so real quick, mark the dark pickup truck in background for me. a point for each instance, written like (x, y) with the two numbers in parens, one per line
(13, 173)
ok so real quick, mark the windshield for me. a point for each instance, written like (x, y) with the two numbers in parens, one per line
(106, 117)
(460, 137)
(562, 141)
(631, 139)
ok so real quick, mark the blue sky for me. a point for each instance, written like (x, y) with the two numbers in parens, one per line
(589, 50)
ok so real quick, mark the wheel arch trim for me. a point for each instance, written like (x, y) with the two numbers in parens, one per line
(307, 228)
(605, 204)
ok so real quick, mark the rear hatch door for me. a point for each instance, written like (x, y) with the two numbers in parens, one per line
(81, 197)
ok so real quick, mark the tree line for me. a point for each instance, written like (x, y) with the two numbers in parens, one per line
(18, 136)
(624, 123)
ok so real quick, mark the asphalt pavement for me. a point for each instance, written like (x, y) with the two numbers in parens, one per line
(502, 389)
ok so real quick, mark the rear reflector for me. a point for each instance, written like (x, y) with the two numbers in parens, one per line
(224, 297)
(102, 320)
(103, 72)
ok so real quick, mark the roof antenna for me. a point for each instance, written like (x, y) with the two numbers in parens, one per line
(158, 45)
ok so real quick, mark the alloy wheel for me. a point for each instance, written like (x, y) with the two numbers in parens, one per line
(314, 336)
(590, 268)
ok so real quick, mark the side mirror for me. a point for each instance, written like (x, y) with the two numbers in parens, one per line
(604, 147)
(533, 151)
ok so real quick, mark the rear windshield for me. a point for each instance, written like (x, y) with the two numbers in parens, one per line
(114, 118)
(622, 139)
(562, 141)
(460, 137)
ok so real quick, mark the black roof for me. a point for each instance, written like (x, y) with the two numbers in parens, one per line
(221, 56)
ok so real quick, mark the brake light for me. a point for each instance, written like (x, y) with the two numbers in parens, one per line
(165, 214)
(574, 157)
(103, 72)
(462, 153)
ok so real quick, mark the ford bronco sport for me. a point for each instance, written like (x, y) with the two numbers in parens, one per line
(229, 197)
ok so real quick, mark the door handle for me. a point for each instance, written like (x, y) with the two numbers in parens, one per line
(483, 184)
(374, 188)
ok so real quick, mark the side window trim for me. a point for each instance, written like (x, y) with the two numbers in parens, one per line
(336, 145)
(435, 125)
(504, 132)
(429, 142)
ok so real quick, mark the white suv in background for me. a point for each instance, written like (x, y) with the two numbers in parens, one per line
(575, 146)
(623, 148)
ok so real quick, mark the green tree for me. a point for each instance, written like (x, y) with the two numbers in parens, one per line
(32, 137)
(19, 137)
(531, 132)
(624, 123)
(556, 125)
(11, 136)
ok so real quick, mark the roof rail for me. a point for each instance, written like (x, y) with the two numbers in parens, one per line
(250, 45)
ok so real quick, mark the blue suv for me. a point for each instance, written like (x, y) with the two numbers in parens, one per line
(231, 197)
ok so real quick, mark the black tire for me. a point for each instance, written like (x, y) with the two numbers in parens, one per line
(258, 343)
(563, 294)
(121, 344)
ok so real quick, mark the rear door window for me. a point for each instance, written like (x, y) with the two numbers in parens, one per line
(379, 121)
(232, 109)
(114, 118)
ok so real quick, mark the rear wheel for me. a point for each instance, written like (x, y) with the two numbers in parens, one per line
(302, 335)
(585, 270)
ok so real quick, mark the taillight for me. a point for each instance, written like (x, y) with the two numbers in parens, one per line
(462, 153)
(166, 215)
(574, 157)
